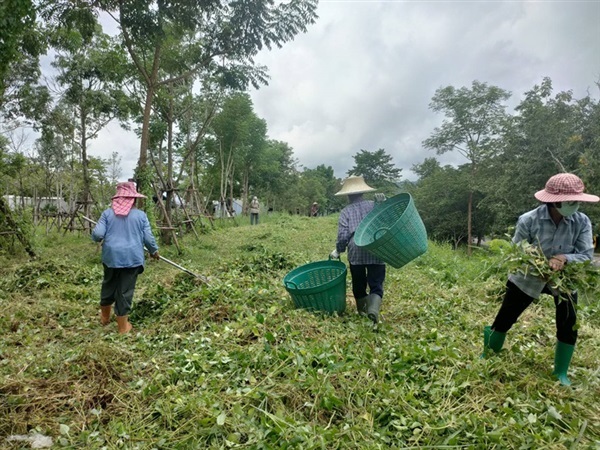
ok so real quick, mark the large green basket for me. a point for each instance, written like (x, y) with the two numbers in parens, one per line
(393, 231)
(318, 286)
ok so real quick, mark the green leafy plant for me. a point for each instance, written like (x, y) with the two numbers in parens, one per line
(529, 260)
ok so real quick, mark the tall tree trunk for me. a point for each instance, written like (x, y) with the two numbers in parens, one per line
(151, 81)
(226, 175)
(169, 182)
(145, 137)
(85, 196)
(246, 188)
(170, 186)
(232, 212)
(469, 222)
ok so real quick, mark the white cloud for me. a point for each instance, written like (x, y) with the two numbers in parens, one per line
(363, 75)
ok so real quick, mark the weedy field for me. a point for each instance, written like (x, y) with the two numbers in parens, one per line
(234, 365)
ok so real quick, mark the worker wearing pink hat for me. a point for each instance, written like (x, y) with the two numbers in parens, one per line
(565, 237)
(124, 231)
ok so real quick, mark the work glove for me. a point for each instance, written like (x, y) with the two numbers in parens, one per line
(380, 197)
(334, 254)
(155, 255)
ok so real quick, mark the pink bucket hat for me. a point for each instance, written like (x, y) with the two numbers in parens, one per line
(125, 197)
(564, 187)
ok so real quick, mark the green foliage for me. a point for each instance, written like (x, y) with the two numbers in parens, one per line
(17, 24)
(377, 169)
(499, 246)
(232, 364)
(317, 185)
(441, 197)
(528, 260)
(16, 230)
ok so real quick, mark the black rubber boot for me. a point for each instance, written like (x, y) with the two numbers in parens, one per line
(361, 306)
(373, 306)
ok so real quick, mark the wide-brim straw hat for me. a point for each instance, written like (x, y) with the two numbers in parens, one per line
(127, 189)
(564, 187)
(354, 184)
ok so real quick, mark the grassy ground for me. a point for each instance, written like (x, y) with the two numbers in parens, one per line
(234, 365)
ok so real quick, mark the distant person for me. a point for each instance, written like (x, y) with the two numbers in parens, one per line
(564, 235)
(254, 211)
(123, 230)
(366, 270)
(314, 210)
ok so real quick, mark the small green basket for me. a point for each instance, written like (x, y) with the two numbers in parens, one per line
(393, 231)
(318, 286)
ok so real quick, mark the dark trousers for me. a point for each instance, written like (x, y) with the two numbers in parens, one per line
(363, 275)
(253, 218)
(516, 301)
(118, 286)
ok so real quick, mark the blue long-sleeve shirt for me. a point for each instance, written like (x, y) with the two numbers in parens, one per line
(572, 237)
(124, 238)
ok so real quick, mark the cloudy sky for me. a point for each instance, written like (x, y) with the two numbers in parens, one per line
(363, 75)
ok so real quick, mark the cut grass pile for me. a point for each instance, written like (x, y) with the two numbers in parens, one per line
(234, 365)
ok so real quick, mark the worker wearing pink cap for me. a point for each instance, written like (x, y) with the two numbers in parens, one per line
(565, 237)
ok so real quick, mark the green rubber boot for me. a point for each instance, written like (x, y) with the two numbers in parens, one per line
(562, 360)
(492, 340)
(361, 306)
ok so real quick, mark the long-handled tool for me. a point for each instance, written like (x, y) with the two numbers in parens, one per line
(168, 261)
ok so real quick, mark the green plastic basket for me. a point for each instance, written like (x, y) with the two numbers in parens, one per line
(393, 231)
(318, 286)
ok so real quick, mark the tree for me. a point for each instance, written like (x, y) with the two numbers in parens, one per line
(232, 128)
(217, 36)
(17, 37)
(193, 126)
(550, 133)
(377, 169)
(21, 43)
(318, 185)
(7, 221)
(441, 197)
(429, 167)
(114, 168)
(473, 126)
(277, 176)
(589, 161)
(91, 73)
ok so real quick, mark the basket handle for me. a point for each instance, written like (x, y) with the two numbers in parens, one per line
(294, 285)
(381, 229)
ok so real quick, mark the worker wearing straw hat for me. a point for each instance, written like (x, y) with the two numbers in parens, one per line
(123, 231)
(565, 237)
(366, 270)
